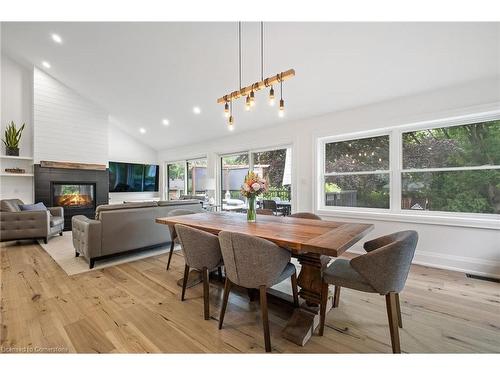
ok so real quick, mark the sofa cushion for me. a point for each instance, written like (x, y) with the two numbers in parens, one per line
(179, 202)
(122, 206)
(10, 205)
(33, 207)
(56, 220)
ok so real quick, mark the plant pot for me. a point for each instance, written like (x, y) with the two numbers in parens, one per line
(12, 151)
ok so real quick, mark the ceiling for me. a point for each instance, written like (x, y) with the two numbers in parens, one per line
(144, 72)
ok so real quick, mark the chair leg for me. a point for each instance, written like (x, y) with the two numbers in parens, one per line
(77, 254)
(172, 245)
(392, 316)
(61, 233)
(219, 273)
(206, 294)
(227, 289)
(398, 306)
(265, 319)
(336, 296)
(184, 281)
(322, 309)
(91, 263)
(295, 290)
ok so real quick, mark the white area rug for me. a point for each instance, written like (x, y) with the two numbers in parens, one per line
(61, 249)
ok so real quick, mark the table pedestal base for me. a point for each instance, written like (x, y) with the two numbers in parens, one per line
(305, 319)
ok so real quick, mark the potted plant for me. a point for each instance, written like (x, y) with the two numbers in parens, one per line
(252, 187)
(12, 138)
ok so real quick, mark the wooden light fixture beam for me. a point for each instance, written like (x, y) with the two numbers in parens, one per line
(257, 86)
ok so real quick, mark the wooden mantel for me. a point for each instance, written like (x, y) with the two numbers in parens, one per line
(68, 165)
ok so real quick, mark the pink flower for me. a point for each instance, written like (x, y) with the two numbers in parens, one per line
(246, 187)
(256, 186)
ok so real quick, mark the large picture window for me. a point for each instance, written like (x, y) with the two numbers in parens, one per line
(452, 169)
(356, 173)
(187, 178)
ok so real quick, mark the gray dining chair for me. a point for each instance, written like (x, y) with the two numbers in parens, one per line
(255, 263)
(305, 215)
(173, 235)
(384, 270)
(201, 252)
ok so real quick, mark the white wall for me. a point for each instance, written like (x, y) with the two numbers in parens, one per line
(16, 105)
(473, 250)
(124, 148)
(68, 127)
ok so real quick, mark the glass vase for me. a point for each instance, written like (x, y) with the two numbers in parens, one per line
(251, 214)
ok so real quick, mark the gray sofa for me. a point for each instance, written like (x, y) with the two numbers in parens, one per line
(120, 228)
(29, 225)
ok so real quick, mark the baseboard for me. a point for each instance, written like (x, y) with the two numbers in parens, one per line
(473, 266)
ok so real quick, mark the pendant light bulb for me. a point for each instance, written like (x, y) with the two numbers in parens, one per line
(226, 107)
(271, 96)
(252, 98)
(281, 112)
(231, 121)
(247, 103)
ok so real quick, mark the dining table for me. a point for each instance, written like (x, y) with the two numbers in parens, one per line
(312, 242)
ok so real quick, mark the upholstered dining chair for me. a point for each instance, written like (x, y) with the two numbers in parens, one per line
(384, 270)
(305, 215)
(201, 252)
(255, 263)
(264, 211)
(173, 235)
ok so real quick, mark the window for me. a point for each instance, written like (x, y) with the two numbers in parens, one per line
(197, 177)
(356, 173)
(233, 170)
(187, 177)
(176, 180)
(275, 165)
(452, 169)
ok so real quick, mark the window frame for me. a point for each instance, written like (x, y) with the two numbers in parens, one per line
(250, 153)
(395, 212)
(184, 162)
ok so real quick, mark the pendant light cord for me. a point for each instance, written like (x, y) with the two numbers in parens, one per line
(262, 51)
(281, 86)
(239, 50)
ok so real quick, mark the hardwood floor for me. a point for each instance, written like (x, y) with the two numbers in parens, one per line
(136, 307)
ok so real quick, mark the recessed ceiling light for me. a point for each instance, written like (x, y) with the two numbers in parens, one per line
(46, 64)
(197, 110)
(56, 38)
(142, 130)
(165, 122)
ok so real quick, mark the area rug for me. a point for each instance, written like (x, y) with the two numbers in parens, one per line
(61, 249)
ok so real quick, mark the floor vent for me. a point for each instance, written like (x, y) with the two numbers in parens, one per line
(485, 278)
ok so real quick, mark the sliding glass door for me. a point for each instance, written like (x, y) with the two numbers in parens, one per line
(187, 177)
(274, 165)
(233, 170)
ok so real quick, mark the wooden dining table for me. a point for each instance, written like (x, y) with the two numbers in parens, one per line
(312, 242)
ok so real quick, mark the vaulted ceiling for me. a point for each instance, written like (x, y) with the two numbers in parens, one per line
(142, 73)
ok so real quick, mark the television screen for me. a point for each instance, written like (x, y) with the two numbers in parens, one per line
(130, 177)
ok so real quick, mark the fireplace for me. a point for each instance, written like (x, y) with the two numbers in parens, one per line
(73, 195)
(78, 191)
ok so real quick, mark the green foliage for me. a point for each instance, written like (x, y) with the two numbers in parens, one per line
(332, 188)
(12, 135)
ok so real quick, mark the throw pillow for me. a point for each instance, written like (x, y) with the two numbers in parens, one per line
(33, 207)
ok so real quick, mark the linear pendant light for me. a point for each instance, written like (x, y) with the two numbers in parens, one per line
(248, 92)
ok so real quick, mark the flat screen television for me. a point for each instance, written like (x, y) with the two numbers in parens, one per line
(130, 177)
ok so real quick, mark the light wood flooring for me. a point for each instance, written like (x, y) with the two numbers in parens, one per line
(135, 307)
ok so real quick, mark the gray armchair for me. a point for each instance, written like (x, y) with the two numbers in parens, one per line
(384, 270)
(20, 225)
(201, 252)
(255, 263)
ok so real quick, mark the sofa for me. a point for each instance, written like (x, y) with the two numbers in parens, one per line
(122, 228)
(16, 224)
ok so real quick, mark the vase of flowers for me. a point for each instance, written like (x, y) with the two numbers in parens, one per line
(252, 187)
